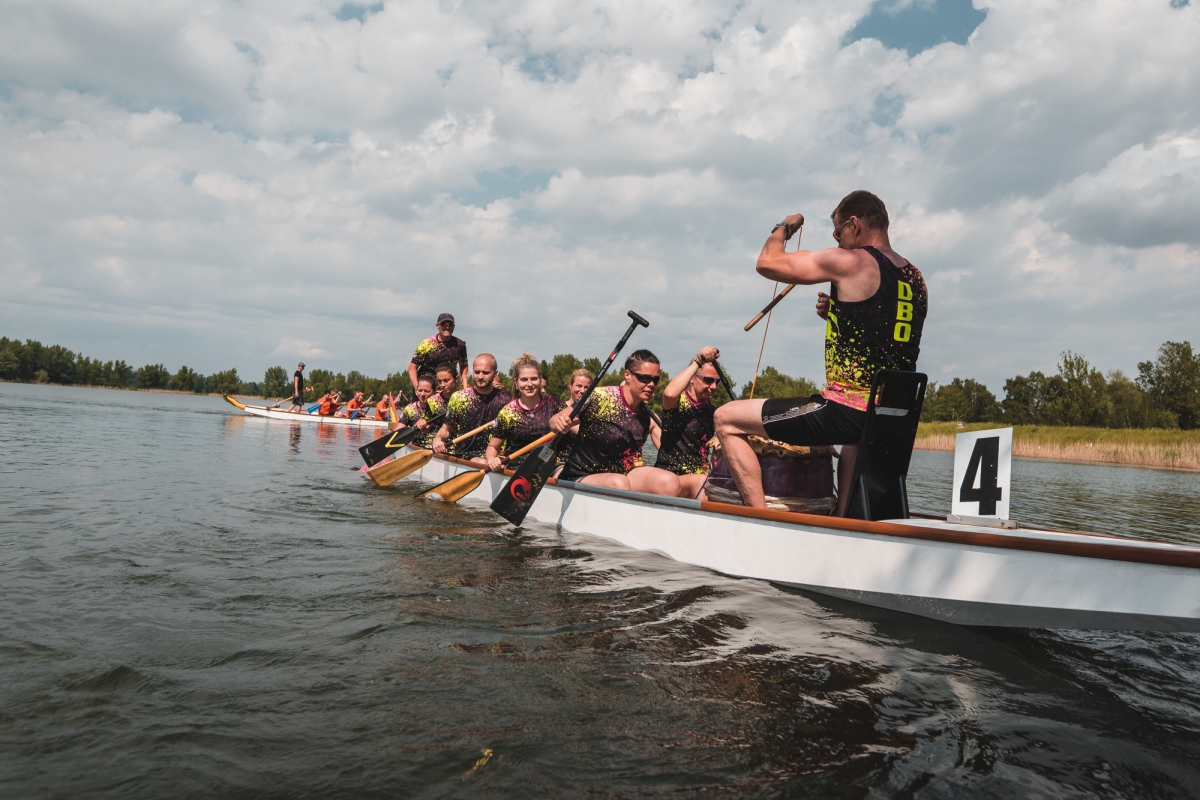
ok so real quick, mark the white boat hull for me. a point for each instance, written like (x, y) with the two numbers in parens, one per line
(1022, 578)
(272, 413)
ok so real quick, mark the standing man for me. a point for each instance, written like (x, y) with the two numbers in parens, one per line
(298, 389)
(471, 407)
(875, 314)
(443, 347)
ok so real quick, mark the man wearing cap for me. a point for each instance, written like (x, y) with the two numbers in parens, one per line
(440, 348)
(298, 390)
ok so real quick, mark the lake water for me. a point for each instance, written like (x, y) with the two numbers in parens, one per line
(202, 604)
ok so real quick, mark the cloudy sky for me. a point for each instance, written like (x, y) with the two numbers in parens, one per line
(248, 183)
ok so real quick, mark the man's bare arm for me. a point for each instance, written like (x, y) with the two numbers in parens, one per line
(803, 266)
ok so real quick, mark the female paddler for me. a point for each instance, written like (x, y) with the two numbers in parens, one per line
(687, 422)
(613, 426)
(526, 418)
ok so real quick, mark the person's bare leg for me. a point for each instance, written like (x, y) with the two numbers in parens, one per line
(610, 479)
(734, 422)
(653, 480)
(479, 460)
(845, 475)
(690, 485)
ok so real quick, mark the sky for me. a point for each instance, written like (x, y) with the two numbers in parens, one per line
(244, 184)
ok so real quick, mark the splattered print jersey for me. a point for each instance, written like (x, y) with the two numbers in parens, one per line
(881, 332)
(466, 411)
(611, 435)
(433, 351)
(686, 429)
(426, 411)
(517, 426)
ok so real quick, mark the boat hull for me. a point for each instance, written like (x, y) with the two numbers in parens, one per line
(271, 413)
(966, 575)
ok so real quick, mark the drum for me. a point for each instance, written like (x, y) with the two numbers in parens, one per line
(795, 478)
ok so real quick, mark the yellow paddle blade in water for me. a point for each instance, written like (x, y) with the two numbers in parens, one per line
(394, 470)
(456, 488)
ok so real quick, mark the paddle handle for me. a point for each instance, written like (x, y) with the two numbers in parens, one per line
(475, 432)
(770, 305)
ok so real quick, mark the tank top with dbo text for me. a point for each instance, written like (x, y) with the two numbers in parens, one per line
(881, 332)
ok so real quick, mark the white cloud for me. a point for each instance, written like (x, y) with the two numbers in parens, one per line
(184, 181)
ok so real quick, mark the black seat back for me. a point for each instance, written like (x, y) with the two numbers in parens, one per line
(879, 488)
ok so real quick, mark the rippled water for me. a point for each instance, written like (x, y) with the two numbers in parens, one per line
(201, 604)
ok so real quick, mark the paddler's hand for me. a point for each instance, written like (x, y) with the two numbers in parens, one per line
(439, 447)
(707, 355)
(794, 223)
(496, 463)
(561, 421)
(822, 305)
(422, 424)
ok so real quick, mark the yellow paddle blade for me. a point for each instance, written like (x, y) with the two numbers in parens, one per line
(394, 470)
(233, 402)
(456, 488)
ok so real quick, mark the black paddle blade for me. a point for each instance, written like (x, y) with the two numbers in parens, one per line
(517, 496)
(384, 446)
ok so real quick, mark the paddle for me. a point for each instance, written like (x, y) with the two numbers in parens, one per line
(515, 500)
(389, 473)
(725, 381)
(379, 449)
(460, 486)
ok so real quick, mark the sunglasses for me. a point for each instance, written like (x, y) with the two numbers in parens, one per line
(707, 381)
(646, 378)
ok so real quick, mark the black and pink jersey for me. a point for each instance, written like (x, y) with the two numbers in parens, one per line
(466, 411)
(611, 435)
(686, 429)
(517, 426)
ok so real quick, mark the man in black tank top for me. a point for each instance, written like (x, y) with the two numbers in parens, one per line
(874, 312)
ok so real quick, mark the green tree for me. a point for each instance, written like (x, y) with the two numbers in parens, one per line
(1130, 407)
(58, 363)
(10, 362)
(1079, 395)
(558, 373)
(321, 380)
(960, 401)
(1173, 382)
(275, 383)
(224, 382)
(183, 381)
(1024, 398)
(153, 376)
(120, 375)
(773, 383)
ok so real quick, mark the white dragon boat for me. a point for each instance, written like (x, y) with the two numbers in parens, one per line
(965, 574)
(305, 416)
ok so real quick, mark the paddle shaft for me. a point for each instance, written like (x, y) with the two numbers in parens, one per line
(769, 306)
(453, 489)
(725, 382)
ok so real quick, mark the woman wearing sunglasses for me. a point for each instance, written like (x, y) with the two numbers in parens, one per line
(613, 426)
(687, 422)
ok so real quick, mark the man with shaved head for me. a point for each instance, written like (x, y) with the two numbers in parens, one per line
(471, 407)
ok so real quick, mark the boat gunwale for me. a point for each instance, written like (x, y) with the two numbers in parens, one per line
(1131, 550)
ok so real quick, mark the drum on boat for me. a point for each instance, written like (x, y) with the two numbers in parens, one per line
(795, 477)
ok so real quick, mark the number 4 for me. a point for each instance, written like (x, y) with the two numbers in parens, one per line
(984, 465)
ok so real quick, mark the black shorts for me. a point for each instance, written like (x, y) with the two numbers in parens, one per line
(296, 401)
(812, 420)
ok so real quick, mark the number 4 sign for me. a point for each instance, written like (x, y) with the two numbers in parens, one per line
(982, 475)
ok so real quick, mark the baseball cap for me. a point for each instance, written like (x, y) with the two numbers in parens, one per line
(302, 364)
(445, 318)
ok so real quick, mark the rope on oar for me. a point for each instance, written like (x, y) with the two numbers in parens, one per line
(763, 346)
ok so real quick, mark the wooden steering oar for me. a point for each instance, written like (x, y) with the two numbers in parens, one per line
(389, 473)
(460, 486)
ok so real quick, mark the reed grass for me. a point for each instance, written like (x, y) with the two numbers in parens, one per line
(1153, 447)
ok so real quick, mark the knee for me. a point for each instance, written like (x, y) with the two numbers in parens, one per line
(723, 420)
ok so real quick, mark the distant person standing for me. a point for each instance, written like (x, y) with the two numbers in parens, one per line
(441, 348)
(298, 390)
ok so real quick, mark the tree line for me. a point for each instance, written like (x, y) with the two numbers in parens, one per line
(1165, 394)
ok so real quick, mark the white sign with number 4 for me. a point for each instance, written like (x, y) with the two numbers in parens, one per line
(982, 473)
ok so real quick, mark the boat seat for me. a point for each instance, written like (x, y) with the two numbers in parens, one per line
(879, 488)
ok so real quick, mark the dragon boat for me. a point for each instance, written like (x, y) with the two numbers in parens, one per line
(960, 573)
(305, 416)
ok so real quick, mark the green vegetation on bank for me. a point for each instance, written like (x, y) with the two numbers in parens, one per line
(1165, 394)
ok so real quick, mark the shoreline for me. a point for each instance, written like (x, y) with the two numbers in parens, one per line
(139, 389)
(1151, 448)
